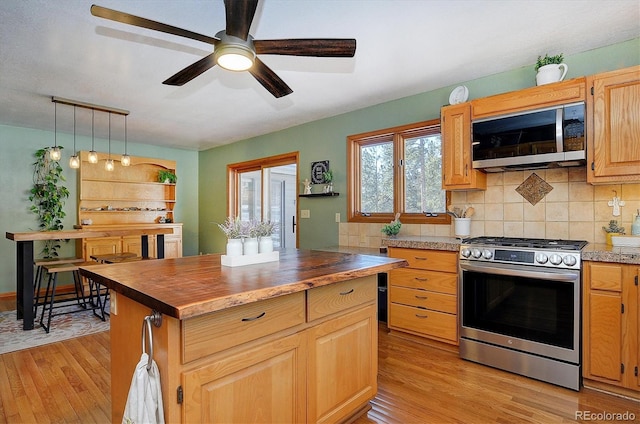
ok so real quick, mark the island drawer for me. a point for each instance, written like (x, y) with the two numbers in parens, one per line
(327, 300)
(231, 327)
(428, 280)
(424, 299)
(436, 324)
(435, 260)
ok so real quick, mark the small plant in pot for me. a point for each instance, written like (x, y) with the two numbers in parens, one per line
(550, 69)
(232, 228)
(613, 230)
(393, 228)
(166, 176)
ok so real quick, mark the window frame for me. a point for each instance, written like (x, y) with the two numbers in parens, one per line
(396, 136)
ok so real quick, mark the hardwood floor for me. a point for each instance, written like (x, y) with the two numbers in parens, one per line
(68, 382)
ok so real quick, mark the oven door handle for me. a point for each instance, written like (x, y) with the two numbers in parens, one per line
(541, 275)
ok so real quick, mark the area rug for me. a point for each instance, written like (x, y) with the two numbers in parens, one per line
(63, 327)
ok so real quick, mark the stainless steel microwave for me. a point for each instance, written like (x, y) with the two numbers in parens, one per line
(539, 138)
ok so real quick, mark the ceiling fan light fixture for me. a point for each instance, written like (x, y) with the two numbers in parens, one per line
(234, 57)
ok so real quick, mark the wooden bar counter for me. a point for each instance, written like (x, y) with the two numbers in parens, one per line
(287, 341)
(25, 256)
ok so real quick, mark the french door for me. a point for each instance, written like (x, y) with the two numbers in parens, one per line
(266, 189)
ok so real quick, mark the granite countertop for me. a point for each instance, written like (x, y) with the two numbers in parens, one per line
(424, 242)
(606, 253)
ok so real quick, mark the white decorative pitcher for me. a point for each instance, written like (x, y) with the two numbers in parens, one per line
(551, 73)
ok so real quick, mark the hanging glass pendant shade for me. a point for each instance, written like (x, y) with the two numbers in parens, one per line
(125, 160)
(74, 160)
(108, 165)
(93, 155)
(54, 152)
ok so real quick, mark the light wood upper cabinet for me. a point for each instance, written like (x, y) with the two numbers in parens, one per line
(457, 170)
(611, 326)
(613, 130)
(570, 91)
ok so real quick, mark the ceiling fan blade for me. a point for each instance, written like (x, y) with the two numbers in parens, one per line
(239, 16)
(269, 79)
(319, 47)
(125, 18)
(191, 71)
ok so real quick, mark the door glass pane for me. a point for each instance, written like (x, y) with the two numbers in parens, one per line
(250, 188)
(376, 180)
(423, 175)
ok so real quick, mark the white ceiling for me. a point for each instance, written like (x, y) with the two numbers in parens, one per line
(404, 47)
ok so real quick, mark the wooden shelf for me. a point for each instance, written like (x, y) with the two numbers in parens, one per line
(320, 194)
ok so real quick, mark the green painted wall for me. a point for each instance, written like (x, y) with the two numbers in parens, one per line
(325, 140)
(17, 146)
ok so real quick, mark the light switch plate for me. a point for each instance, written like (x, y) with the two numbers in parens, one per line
(305, 213)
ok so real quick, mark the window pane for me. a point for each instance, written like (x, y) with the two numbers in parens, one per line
(376, 163)
(250, 187)
(423, 175)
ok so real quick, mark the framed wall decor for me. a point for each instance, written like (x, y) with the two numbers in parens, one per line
(317, 171)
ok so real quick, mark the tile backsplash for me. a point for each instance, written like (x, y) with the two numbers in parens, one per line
(572, 209)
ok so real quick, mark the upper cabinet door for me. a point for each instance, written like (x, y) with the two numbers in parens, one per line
(458, 173)
(613, 132)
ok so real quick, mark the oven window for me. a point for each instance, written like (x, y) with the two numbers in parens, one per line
(526, 308)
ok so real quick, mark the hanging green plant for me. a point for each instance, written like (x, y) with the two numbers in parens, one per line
(48, 196)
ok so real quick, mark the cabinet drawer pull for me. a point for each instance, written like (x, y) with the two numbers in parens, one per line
(422, 316)
(421, 297)
(419, 258)
(346, 292)
(420, 279)
(254, 318)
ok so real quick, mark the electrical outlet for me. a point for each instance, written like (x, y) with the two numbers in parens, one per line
(305, 213)
(337, 216)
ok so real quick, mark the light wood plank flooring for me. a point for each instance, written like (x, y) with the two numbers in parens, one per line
(68, 382)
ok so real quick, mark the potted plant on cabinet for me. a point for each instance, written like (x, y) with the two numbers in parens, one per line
(613, 230)
(548, 69)
(167, 176)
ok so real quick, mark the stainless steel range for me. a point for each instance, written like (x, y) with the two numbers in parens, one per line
(520, 306)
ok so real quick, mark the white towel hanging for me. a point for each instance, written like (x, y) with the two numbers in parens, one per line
(144, 403)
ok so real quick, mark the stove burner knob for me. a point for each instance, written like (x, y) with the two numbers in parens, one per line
(569, 260)
(541, 258)
(476, 253)
(555, 259)
(486, 253)
(466, 252)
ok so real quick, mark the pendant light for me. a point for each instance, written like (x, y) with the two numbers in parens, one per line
(54, 152)
(74, 161)
(126, 159)
(108, 165)
(93, 155)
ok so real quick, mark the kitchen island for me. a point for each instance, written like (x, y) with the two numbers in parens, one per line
(287, 341)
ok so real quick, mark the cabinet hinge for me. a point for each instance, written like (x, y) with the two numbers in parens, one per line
(621, 368)
(636, 280)
(622, 308)
(635, 372)
(593, 166)
(180, 394)
(592, 91)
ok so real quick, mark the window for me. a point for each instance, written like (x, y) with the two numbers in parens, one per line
(397, 170)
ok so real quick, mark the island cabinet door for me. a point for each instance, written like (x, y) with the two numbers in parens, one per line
(343, 365)
(263, 384)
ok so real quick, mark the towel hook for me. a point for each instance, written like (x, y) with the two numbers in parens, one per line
(156, 319)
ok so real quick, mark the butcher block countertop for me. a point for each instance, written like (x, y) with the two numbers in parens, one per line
(191, 286)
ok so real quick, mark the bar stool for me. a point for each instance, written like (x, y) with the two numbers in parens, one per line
(101, 292)
(37, 281)
(63, 300)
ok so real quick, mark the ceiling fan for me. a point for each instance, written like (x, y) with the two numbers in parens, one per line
(235, 49)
